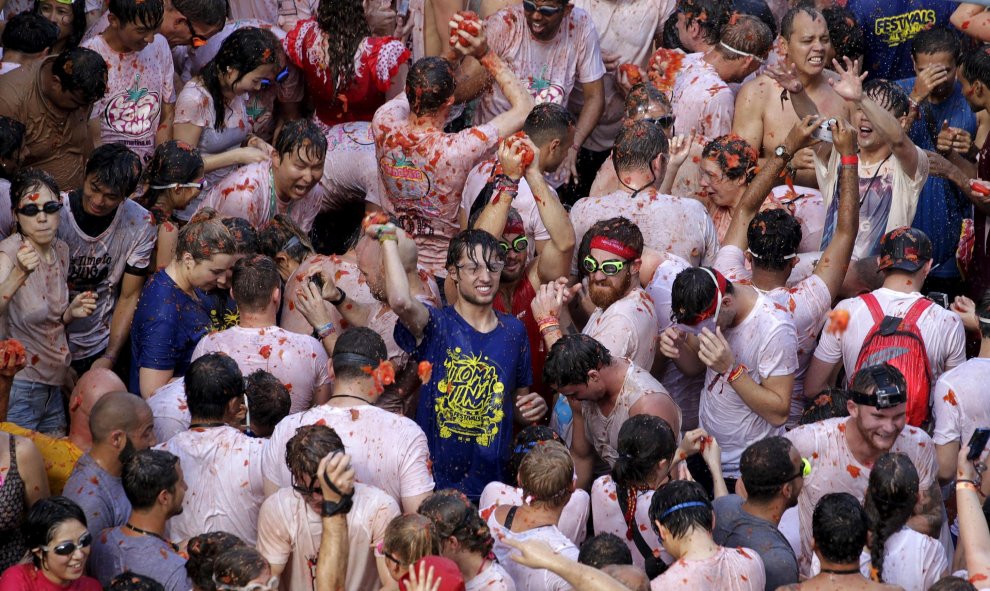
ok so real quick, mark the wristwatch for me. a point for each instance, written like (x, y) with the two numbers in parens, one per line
(782, 153)
(330, 509)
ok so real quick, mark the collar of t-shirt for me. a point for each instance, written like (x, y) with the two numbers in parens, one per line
(92, 225)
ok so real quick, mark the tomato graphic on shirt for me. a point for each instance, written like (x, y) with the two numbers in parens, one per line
(545, 91)
(134, 112)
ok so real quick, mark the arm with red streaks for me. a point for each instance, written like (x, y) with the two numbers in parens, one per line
(973, 20)
(512, 120)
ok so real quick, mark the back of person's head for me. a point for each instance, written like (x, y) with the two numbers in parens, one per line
(83, 71)
(638, 145)
(839, 528)
(29, 33)
(411, 537)
(268, 402)
(245, 50)
(238, 566)
(546, 474)
(774, 236)
(209, 13)
(467, 243)
(204, 237)
(571, 358)
(282, 235)
(523, 443)
(254, 282)
(680, 506)
(735, 157)
(11, 139)
(829, 404)
(845, 33)
(787, 21)
(454, 516)
(211, 382)
(638, 102)
(952, 583)
(888, 95)
(115, 168)
(43, 518)
(604, 549)
(203, 551)
(303, 136)
(710, 15)
(308, 446)
(632, 577)
(937, 40)
(644, 441)
(745, 34)
(890, 500)
(766, 467)
(548, 122)
(429, 84)
(147, 14)
(244, 235)
(758, 8)
(146, 474)
(114, 412)
(975, 67)
(173, 163)
(694, 293)
(865, 380)
(131, 581)
(358, 350)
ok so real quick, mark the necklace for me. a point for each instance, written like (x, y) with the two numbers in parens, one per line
(145, 532)
(207, 425)
(364, 400)
(841, 571)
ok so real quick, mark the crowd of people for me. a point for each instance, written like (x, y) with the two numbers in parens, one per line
(490, 295)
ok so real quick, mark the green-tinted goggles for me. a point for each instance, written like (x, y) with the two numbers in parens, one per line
(520, 244)
(609, 267)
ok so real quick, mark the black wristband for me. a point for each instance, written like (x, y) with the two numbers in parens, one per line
(340, 300)
(343, 507)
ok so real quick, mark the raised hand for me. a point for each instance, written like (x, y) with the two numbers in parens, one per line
(802, 134)
(850, 83)
(844, 137)
(680, 148)
(786, 76)
(930, 78)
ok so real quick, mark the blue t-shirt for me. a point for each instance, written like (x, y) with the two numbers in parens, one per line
(888, 28)
(941, 206)
(466, 408)
(167, 325)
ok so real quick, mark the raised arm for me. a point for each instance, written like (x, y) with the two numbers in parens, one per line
(336, 478)
(15, 273)
(832, 267)
(411, 312)
(974, 536)
(973, 20)
(537, 554)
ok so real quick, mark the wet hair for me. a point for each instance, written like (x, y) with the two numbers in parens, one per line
(952, 583)
(253, 281)
(11, 136)
(735, 157)
(773, 235)
(79, 25)
(29, 33)
(146, 474)
(174, 161)
(301, 135)
(693, 292)
(934, 40)
(211, 382)
(523, 443)
(975, 66)
(281, 234)
(81, 70)
(268, 399)
(766, 467)
(346, 27)
(244, 235)
(308, 446)
(203, 551)
(411, 537)
(845, 33)
(604, 549)
(429, 83)
(830, 404)
(357, 350)
(644, 441)
(681, 520)
(888, 95)
(245, 50)
(465, 243)
(787, 22)
(453, 515)
(619, 229)
(745, 33)
(145, 13)
(711, 16)
(131, 581)
(641, 96)
(638, 145)
(28, 180)
(546, 474)
(548, 122)
(890, 500)
(863, 380)
(212, 13)
(116, 168)
(839, 528)
(204, 237)
(671, 38)
(238, 566)
(758, 8)
(571, 358)
(44, 517)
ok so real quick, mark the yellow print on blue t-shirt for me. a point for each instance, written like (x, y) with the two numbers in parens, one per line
(897, 29)
(469, 399)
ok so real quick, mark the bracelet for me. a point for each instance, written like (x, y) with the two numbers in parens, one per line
(324, 331)
(850, 160)
(548, 321)
(385, 233)
(339, 300)
(329, 509)
(736, 373)
(549, 328)
(914, 104)
(967, 484)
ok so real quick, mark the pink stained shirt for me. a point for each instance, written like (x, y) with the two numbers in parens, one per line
(350, 174)
(344, 273)
(573, 520)
(298, 361)
(422, 174)
(222, 468)
(171, 412)
(194, 105)
(960, 402)
(729, 569)
(289, 532)
(609, 518)
(628, 328)
(701, 99)
(531, 579)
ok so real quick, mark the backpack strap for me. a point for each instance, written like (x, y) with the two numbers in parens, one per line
(917, 309)
(873, 306)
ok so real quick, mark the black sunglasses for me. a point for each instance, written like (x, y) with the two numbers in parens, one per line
(666, 122)
(32, 209)
(520, 244)
(314, 488)
(544, 10)
(69, 548)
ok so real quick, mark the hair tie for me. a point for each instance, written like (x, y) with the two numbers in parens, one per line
(687, 505)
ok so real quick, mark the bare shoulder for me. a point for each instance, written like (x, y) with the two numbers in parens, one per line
(757, 88)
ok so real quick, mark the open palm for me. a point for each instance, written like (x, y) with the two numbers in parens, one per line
(850, 83)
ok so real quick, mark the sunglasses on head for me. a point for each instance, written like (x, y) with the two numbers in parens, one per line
(529, 6)
(666, 122)
(32, 209)
(519, 244)
(609, 267)
(69, 548)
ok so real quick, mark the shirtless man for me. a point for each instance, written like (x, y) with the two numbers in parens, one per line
(764, 114)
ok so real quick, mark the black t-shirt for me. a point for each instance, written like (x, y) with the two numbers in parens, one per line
(90, 224)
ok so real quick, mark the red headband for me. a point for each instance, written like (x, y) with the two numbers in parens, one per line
(514, 225)
(720, 285)
(614, 246)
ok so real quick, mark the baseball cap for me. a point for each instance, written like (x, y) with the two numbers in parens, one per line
(444, 569)
(905, 249)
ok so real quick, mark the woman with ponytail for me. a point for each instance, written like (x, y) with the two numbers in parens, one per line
(175, 178)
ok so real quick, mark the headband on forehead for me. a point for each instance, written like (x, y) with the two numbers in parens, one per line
(677, 508)
(514, 225)
(613, 246)
(740, 52)
(720, 285)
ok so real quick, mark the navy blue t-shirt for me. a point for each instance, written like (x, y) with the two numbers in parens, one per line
(888, 28)
(941, 206)
(466, 408)
(167, 325)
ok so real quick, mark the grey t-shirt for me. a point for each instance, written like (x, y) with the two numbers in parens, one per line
(100, 494)
(735, 527)
(145, 555)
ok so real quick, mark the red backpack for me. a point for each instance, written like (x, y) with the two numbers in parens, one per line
(898, 341)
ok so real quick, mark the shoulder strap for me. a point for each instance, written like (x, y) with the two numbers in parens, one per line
(873, 306)
(622, 496)
(510, 516)
(917, 309)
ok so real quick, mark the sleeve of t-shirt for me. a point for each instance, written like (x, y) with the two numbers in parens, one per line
(274, 538)
(416, 478)
(273, 466)
(472, 144)
(143, 243)
(815, 295)
(387, 510)
(955, 344)
(168, 67)
(157, 335)
(946, 410)
(178, 580)
(590, 66)
(194, 106)
(804, 438)
(321, 361)
(498, 32)
(906, 192)
(778, 356)
(406, 340)
(780, 565)
(925, 460)
(390, 57)
(203, 347)
(712, 244)
(829, 347)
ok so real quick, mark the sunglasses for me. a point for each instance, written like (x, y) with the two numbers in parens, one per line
(313, 490)
(69, 548)
(279, 78)
(610, 267)
(475, 269)
(529, 6)
(32, 209)
(197, 39)
(194, 185)
(804, 472)
(666, 122)
(520, 244)
(386, 555)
